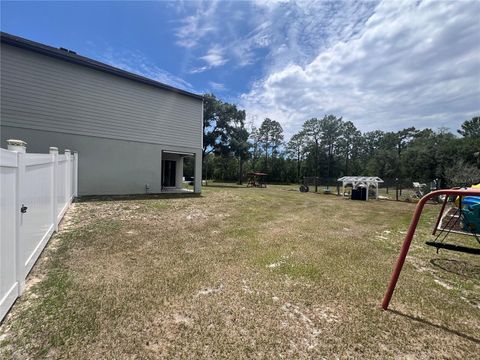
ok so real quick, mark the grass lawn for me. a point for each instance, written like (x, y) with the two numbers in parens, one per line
(244, 273)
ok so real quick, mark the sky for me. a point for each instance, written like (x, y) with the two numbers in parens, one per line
(383, 65)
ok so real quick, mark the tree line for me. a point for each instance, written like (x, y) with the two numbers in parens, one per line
(330, 147)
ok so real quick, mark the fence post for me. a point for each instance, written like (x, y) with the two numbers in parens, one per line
(75, 174)
(20, 148)
(396, 189)
(68, 176)
(54, 152)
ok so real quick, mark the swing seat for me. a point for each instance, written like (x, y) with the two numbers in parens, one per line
(453, 247)
(471, 213)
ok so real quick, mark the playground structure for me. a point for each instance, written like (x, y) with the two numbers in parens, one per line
(309, 181)
(419, 189)
(462, 218)
(257, 179)
(468, 224)
(361, 182)
(314, 182)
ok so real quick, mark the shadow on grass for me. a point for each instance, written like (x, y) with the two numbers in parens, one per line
(457, 267)
(91, 198)
(229, 186)
(441, 327)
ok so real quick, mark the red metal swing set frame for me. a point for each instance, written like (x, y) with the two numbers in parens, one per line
(411, 233)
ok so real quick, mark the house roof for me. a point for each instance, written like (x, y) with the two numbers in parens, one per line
(71, 56)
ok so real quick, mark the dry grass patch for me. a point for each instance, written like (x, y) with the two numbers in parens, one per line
(243, 273)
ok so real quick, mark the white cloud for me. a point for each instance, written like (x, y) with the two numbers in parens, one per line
(267, 33)
(297, 30)
(216, 86)
(195, 27)
(200, 69)
(410, 64)
(213, 58)
(270, 4)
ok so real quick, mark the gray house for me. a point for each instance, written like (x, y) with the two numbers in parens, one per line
(132, 133)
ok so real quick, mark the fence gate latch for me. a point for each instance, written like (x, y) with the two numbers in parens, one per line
(23, 209)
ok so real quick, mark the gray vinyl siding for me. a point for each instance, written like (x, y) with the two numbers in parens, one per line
(45, 93)
(105, 166)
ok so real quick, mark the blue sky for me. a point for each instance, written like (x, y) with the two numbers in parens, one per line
(383, 65)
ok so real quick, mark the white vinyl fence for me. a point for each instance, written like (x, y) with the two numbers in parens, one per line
(35, 192)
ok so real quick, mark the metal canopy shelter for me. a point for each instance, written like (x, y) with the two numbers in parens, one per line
(361, 181)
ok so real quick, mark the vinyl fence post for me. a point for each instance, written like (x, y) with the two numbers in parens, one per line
(75, 174)
(54, 152)
(68, 175)
(20, 148)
